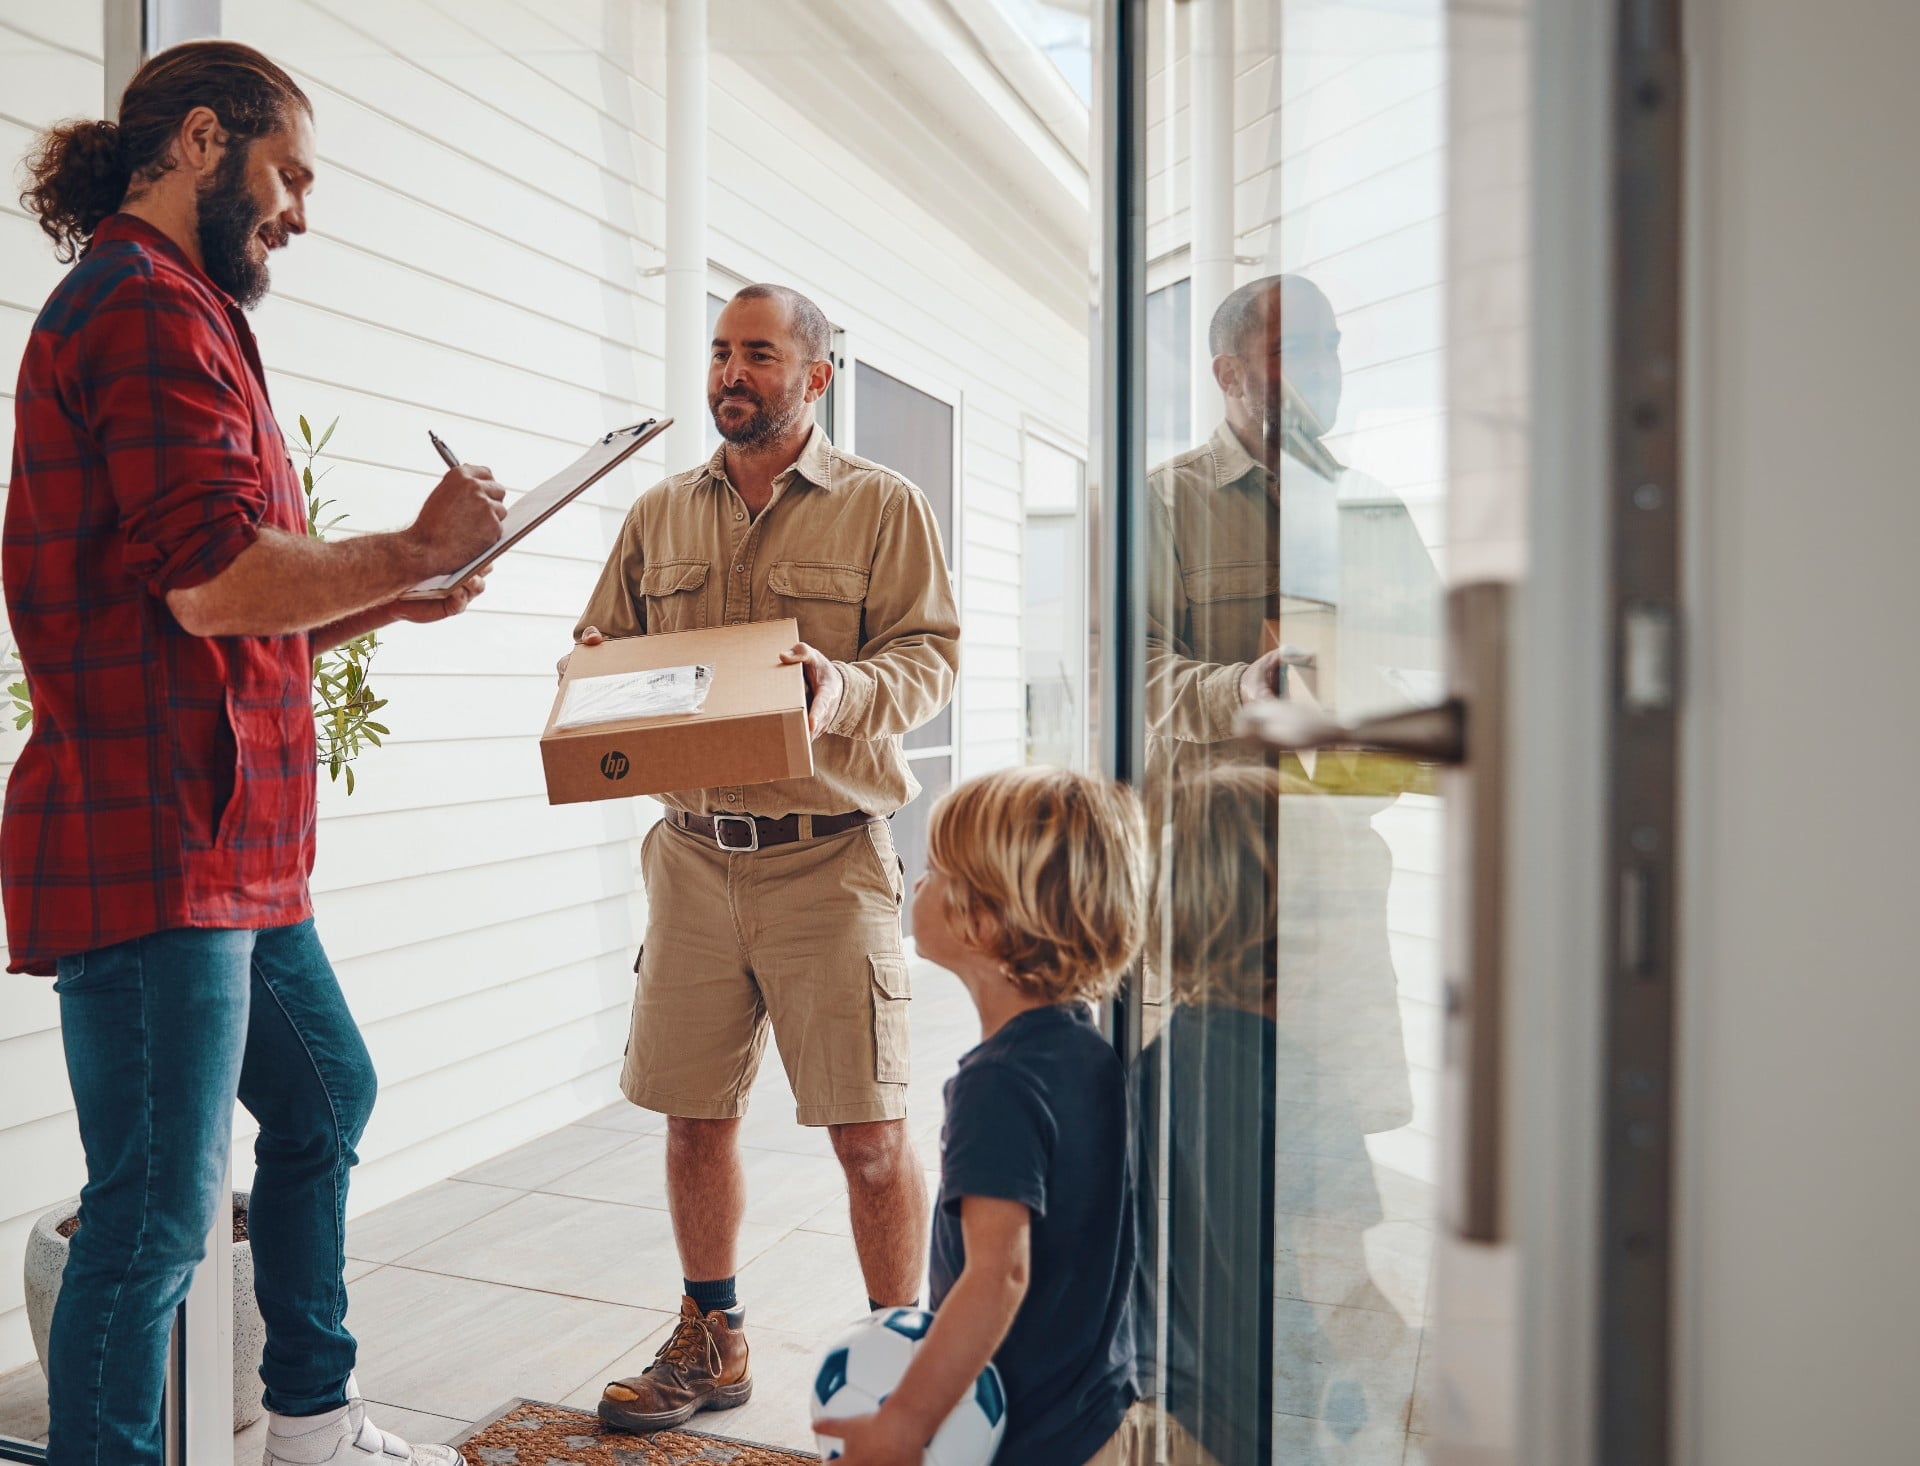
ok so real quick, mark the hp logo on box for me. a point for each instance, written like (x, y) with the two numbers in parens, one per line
(615, 765)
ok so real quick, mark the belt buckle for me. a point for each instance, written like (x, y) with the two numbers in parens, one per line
(721, 821)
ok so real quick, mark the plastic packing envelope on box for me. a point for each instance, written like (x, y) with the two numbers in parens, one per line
(652, 693)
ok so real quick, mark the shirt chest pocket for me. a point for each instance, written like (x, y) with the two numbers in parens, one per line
(674, 595)
(828, 600)
(1229, 604)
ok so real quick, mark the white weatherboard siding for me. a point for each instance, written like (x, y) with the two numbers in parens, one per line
(490, 197)
(50, 68)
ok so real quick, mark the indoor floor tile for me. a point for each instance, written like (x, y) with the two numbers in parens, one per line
(422, 1217)
(1299, 1442)
(784, 1366)
(250, 1444)
(585, 1249)
(539, 1161)
(1350, 1367)
(1381, 1266)
(414, 1426)
(621, 1115)
(782, 1186)
(808, 1283)
(23, 1404)
(460, 1348)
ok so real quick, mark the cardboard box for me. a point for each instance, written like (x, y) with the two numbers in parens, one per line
(1313, 627)
(751, 730)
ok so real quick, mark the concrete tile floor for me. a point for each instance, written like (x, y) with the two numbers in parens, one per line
(549, 1270)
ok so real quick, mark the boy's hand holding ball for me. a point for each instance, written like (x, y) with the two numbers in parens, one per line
(872, 1440)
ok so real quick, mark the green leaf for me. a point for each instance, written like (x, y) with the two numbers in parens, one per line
(305, 431)
(24, 719)
(349, 778)
(317, 447)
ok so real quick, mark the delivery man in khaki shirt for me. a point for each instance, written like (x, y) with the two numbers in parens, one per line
(780, 903)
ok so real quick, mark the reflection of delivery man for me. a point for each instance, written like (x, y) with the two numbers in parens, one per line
(780, 901)
(1259, 535)
(1274, 569)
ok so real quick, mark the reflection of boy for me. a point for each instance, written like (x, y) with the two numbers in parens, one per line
(1033, 898)
(1258, 1059)
(1209, 1074)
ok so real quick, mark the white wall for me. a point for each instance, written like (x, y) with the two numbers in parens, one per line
(50, 67)
(490, 195)
(1800, 1172)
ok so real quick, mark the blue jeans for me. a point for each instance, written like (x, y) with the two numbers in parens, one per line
(161, 1034)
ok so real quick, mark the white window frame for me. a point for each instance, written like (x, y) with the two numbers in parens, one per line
(1038, 430)
(853, 351)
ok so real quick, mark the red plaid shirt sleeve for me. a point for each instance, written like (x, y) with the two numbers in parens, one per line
(169, 779)
(176, 433)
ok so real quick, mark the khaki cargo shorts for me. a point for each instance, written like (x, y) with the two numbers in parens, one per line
(804, 938)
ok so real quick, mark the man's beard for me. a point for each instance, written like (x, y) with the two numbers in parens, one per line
(229, 223)
(764, 426)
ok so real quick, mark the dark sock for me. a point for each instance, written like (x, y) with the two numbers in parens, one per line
(719, 1296)
(873, 1307)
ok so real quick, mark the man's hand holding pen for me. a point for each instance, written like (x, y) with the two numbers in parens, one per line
(462, 516)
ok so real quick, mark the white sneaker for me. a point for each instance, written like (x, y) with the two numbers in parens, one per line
(348, 1438)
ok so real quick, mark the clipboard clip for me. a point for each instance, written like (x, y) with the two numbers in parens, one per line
(636, 429)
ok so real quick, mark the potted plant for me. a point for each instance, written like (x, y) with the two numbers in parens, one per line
(344, 705)
(47, 1247)
(344, 701)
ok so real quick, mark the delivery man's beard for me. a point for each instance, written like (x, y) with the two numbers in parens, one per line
(764, 425)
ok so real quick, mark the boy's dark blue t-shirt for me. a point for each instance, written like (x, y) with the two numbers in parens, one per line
(1038, 1114)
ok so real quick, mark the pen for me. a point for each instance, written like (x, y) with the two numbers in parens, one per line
(446, 453)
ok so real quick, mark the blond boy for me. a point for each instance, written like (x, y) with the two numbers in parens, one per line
(1034, 898)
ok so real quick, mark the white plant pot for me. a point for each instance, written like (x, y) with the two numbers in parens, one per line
(47, 1261)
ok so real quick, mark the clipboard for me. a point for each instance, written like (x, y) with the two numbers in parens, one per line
(535, 507)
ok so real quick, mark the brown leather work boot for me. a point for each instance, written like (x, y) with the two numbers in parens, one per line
(702, 1366)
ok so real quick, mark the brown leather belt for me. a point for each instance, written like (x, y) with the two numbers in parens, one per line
(740, 833)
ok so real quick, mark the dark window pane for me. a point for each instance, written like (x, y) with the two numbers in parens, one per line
(911, 432)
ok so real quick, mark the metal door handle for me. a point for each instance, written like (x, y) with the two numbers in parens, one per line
(1466, 735)
(1433, 735)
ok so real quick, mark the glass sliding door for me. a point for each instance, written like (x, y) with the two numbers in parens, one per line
(1275, 476)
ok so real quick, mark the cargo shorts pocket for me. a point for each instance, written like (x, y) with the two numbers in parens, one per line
(891, 1039)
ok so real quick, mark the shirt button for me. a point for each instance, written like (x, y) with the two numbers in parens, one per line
(733, 799)
(737, 514)
(739, 570)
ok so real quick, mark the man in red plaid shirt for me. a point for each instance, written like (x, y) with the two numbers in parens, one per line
(159, 829)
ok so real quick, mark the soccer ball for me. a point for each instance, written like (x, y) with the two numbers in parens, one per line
(861, 1368)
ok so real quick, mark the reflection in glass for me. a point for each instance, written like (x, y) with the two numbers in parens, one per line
(1288, 1168)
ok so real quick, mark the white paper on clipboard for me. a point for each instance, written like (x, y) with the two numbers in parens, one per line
(537, 505)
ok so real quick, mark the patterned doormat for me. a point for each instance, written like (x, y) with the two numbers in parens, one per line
(529, 1433)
